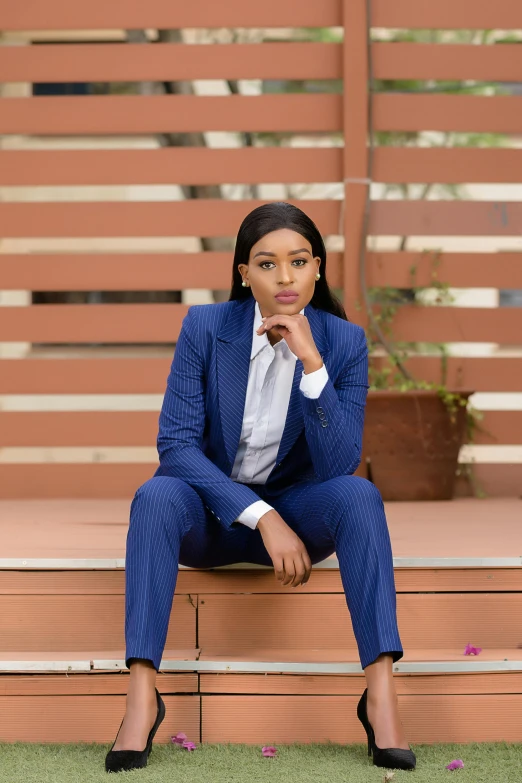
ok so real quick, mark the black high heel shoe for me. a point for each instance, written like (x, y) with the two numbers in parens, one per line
(118, 760)
(393, 758)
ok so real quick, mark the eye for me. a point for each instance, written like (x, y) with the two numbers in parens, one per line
(303, 260)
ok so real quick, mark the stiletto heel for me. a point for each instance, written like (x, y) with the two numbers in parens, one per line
(393, 758)
(118, 760)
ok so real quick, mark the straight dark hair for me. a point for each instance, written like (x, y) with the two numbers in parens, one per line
(272, 217)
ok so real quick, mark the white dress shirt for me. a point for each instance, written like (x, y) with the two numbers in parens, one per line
(270, 377)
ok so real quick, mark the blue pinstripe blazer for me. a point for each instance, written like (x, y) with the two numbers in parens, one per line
(202, 412)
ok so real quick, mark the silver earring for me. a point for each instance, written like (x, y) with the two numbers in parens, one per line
(245, 285)
(317, 276)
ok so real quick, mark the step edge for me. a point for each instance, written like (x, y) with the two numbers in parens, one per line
(427, 667)
(332, 563)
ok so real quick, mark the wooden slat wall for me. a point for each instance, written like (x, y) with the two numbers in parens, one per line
(97, 14)
(99, 116)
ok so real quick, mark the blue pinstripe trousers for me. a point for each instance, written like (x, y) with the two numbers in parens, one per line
(170, 524)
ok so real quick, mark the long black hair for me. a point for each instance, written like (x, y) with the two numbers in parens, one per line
(272, 217)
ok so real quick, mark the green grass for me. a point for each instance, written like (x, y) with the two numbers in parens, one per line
(313, 763)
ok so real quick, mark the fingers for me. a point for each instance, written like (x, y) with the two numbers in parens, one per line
(289, 569)
(279, 568)
(308, 566)
(295, 570)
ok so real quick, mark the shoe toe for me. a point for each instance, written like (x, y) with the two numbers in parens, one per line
(395, 758)
(119, 760)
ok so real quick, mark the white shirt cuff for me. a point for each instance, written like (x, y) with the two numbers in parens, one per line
(312, 384)
(253, 513)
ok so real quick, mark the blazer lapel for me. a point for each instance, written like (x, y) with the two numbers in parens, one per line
(234, 345)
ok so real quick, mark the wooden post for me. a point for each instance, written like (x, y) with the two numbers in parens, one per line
(355, 158)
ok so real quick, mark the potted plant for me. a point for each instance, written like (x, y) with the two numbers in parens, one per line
(414, 429)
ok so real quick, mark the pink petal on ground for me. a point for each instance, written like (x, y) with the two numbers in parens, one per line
(456, 764)
(179, 739)
(269, 751)
(470, 650)
(189, 745)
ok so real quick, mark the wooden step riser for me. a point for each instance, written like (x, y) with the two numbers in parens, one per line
(263, 719)
(256, 580)
(222, 623)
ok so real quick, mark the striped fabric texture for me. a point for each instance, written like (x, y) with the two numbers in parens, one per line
(185, 513)
(202, 412)
(170, 524)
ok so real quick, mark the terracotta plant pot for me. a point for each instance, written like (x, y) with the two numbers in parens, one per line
(410, 446)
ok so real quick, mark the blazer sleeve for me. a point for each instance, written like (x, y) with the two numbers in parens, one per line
(334, 421)
(181, 427)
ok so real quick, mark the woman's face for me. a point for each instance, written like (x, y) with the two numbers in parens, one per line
(281, 260)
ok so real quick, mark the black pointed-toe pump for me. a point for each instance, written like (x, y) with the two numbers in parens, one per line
(122, 760)
(393, 758)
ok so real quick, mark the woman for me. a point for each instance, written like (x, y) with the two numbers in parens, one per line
(260, 432)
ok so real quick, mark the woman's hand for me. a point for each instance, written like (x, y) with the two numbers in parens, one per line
(292, 565)
(296, 331)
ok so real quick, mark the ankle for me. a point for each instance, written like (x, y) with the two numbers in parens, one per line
(382, 696)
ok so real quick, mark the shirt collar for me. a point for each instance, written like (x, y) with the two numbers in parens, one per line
(260, 341)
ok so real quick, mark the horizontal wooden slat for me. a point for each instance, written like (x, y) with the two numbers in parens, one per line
(160, 323)
(85, 622)
(82, 684)
(459, 324)
(59, 15)
(279, 60)
(249, 580)
(140, 428)
(449, 14)
(120, 323)
(322, 621)
(178, 271)
(214, 217)
(89, 718)
(406, 684)
(170, 61)
(460, 270)
(401, 60)
(123, 114)
(97, 14)
(128, 271)
(332, 720)
(466, 113)
(187, 165)
(199, 165)
(446, 218)
(95, 115)
(447, 165)
(66, 480)
(87, 376)
(209, 217)
(149, 376)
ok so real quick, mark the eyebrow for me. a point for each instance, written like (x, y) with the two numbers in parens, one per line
(291, 253)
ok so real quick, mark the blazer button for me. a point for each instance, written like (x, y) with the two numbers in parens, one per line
(319, 410)
(322, 416)
(324, 423)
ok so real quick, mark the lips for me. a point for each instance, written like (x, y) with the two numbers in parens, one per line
(287, 297)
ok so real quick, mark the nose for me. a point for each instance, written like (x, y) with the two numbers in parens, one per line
(286, 277)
